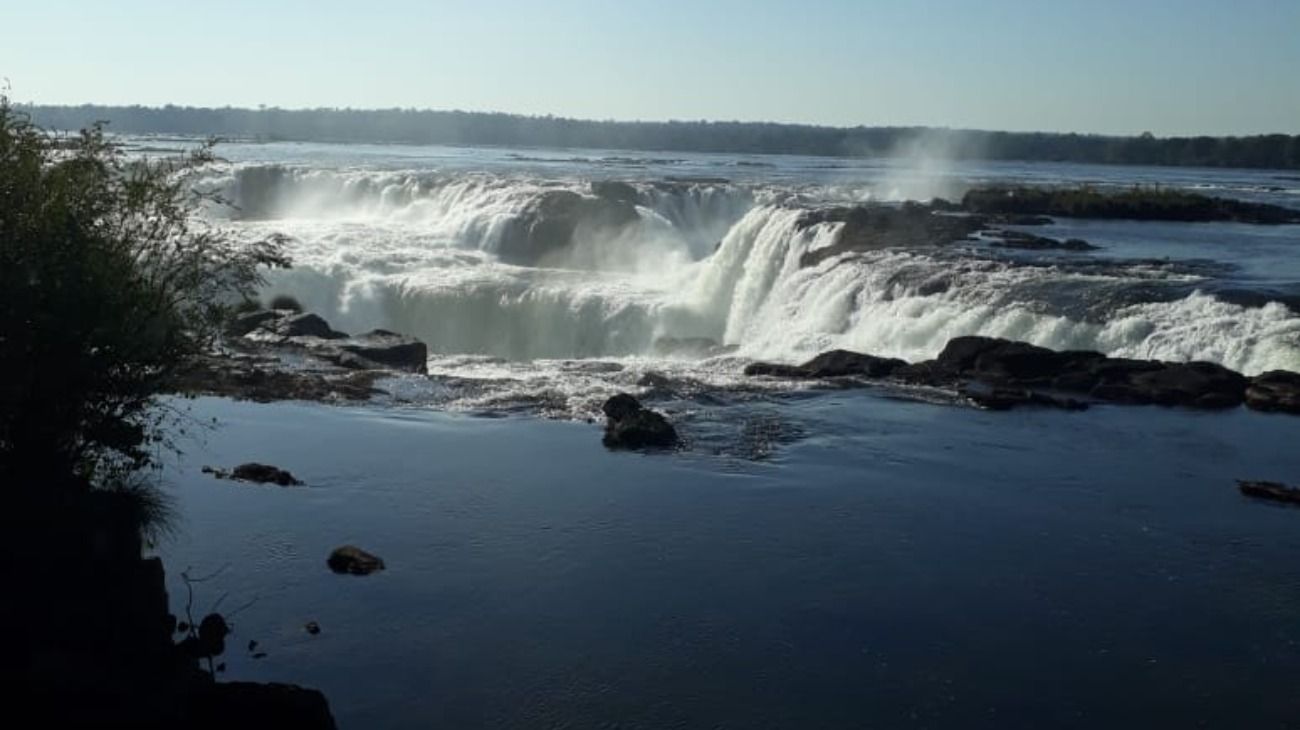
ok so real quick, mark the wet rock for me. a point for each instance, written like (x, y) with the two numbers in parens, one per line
(550, 223)
(306, 325)
(245, 323)
(387, 349)
(630, 426)
(619, 192)
(838, 363)
(1276, 390)
(1195, 384)
(830, 364)
(876, 226)
(263, 474)
(1005, 399)
(1269, 490)
(1030, 242)
(352, 560)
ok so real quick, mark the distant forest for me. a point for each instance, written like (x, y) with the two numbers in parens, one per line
(410, 126)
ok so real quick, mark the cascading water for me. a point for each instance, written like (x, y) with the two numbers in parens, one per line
(418, 251)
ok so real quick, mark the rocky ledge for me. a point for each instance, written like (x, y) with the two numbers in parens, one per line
(1001, 374)
(336, 366)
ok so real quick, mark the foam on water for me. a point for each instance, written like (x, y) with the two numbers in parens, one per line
(414, 251)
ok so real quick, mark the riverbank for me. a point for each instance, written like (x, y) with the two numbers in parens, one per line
(881, 560)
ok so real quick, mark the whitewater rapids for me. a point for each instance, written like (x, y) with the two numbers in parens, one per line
(707, 260)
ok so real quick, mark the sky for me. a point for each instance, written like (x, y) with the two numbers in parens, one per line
(1105, 66)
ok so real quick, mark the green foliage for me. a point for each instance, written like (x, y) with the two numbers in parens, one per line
(109, 286)
(473, 128)
(1136, 203)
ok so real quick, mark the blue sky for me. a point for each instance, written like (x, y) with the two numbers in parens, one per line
(1106, 66)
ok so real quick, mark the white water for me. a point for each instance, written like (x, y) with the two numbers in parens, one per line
(414, 251)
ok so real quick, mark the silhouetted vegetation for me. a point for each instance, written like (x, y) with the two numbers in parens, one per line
(475, 128)
(1136, 203)
(108, 287)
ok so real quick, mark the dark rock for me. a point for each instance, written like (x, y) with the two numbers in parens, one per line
(263, 474)
(876, 226)
(1269, 490)
(1031, 242)
(306, 325)
(286, 303)
(838, 363)
(550, 222)
(619, 192)
(1276, 390)
(354, 561)
(630, 426)
(1130, 204)
(245, 323)
(1195, 384)
(388, 349)
(775, 370)
(312, 628)
(1004, 399)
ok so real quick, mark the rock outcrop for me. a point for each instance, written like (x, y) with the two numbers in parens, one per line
(550, 223)
(631, 426)
(1270, 490)
(1001, 374)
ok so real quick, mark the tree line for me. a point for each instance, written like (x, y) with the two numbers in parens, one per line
(412, 126)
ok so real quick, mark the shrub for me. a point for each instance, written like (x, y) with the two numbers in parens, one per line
(109, 286)
(284, 301)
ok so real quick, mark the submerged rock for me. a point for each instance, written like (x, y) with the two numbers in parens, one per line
(830, 364)
(1031, 242)
(1269, 490)
(352, 560)
(631, 426)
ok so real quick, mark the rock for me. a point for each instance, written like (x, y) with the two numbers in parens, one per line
(1275, 390)
(1269, 490)
(285, 302)
(875, 226)
(1195, 384)
(838, 363)
(306, 325)
(631, 426)
(1011, 362)
(263, 474)
(550, 223)
(1162, 204)
(830, 364)
(312, 628)
(1004, 399)
(1031, 242)
(388, 349)
(353, 560)
(245, 323)
(619, 192)
(775, 370)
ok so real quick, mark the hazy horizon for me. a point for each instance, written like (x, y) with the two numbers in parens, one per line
(1109, 68)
